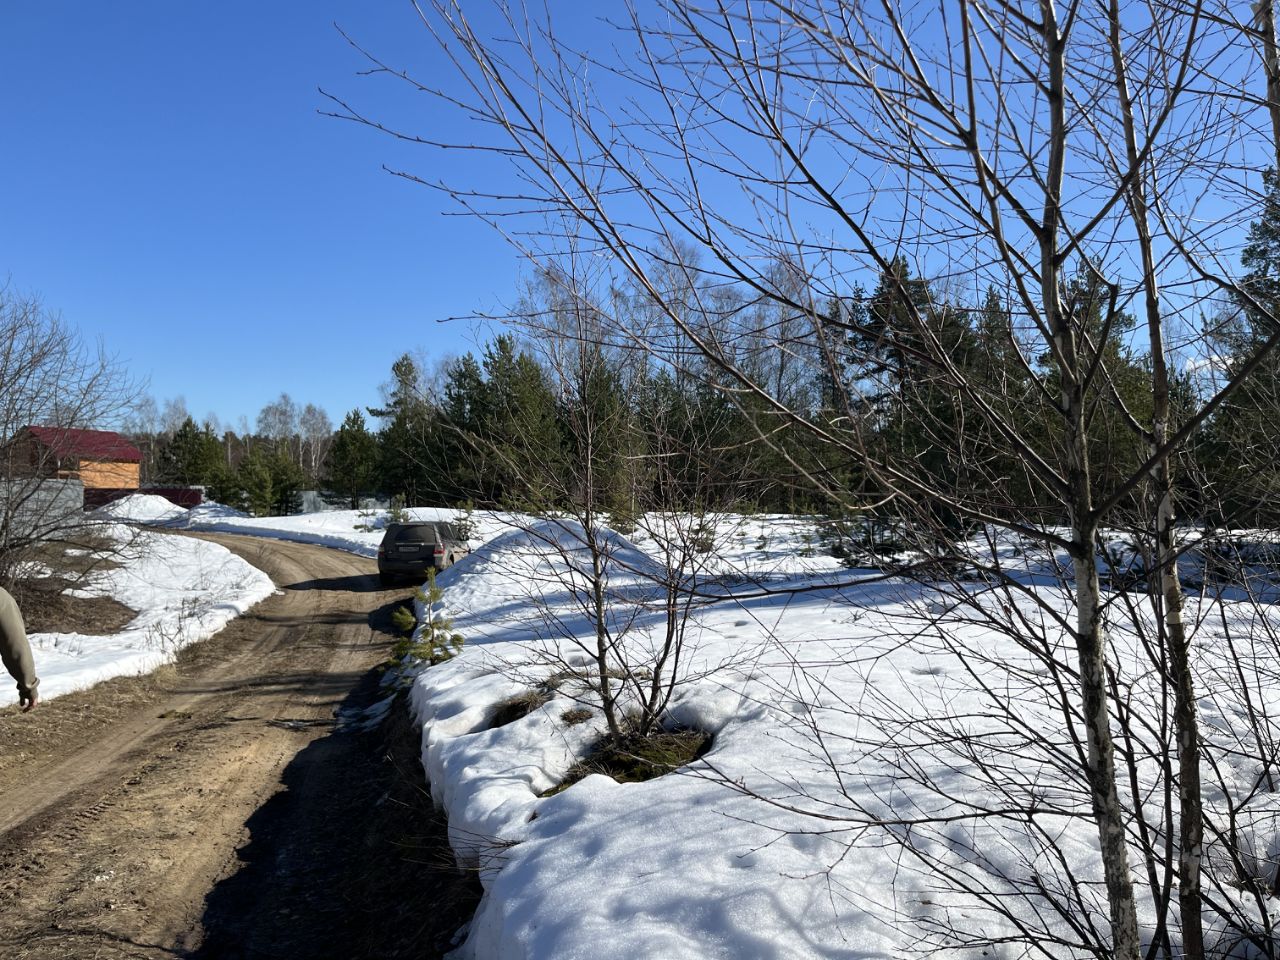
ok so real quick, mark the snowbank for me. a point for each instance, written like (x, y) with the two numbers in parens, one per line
(675, 868)
(183, 590)
(139, 508)
(892, 673)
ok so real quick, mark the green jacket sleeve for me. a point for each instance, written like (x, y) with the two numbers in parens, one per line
(15, 651)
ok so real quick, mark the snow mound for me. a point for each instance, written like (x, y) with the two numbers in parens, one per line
(140, 508)
(213, 511)
(182, 589)
(565, 544)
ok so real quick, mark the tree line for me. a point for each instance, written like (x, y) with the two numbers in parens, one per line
(497, 428)
(261, 470)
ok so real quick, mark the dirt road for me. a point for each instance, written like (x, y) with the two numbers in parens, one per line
(226, 806)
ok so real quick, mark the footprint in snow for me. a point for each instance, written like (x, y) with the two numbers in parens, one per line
(929, 671)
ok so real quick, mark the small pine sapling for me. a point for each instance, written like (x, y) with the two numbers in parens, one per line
(465, 524)
(703, 537)
(437, 641)
(624, 520)
(397, 513)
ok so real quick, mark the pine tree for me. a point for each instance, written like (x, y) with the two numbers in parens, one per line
(190, 456)
(404, 466)
(254, 479)
(437, 641)
(1237, 452)
(518, 425)
(353, 459)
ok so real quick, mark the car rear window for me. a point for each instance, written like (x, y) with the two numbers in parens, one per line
(420, 533)
(424, 532)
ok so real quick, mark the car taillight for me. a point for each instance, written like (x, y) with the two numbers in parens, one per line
(439, 551)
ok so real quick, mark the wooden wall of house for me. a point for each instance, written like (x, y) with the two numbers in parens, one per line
(116, 475)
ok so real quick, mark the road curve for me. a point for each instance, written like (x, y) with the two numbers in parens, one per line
(129, 813)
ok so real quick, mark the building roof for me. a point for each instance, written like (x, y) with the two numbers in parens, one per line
(86, 444)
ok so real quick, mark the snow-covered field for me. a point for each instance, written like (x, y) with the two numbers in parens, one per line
(183, 590)
(892, 765)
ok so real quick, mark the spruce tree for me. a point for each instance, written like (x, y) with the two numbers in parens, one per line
(190, 456)
(353, 459)
(1237, 452)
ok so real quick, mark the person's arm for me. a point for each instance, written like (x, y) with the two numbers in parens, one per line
(15, 651)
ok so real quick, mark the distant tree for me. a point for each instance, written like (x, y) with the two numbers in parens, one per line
(278, 420)
(461, 462)
(143, 419)
(190, 456)
(353, 459)
(405, 417)
(225, 485)
(317, 434)
(173, 414)
(141, 425)
(48, 377)
(519, 419)
(287, 479)
(253, 481)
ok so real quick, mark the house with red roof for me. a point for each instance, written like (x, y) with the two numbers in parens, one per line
(97, 458)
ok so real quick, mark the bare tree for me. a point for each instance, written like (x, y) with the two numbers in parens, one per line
(317, 435)
(1088, 162)
(48, 378)
(173, 415)
(278, 422)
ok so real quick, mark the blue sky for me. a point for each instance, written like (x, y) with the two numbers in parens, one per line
(169, 187)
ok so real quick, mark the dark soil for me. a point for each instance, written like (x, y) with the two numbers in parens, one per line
(350, 860)
(517, 707)
(47, 608)
(639, 758)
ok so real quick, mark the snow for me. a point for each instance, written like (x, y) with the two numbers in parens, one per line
(891, 673)
(183, 590)
(678, 867)
(139, 508)
(836, 712)
(354, 531)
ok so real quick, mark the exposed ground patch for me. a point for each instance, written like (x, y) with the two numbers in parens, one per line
(636, 758)
(47, 607)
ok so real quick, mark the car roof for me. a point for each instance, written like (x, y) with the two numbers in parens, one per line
(438, 528)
